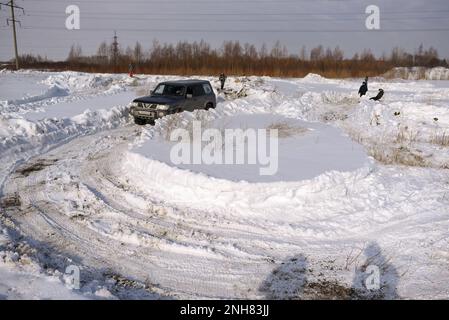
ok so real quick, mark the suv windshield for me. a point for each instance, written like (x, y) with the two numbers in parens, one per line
(169, 90)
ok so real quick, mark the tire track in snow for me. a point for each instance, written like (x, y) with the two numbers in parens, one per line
(170, 263)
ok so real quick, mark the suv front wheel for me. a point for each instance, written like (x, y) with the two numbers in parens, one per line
(140, 121)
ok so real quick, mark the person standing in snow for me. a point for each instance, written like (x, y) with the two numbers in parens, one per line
(222, 79)
(131, 69)
(364, 87)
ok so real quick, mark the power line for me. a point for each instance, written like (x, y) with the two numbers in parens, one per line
(109, 2)
(245, 30)
(245, 14)
(236, 20)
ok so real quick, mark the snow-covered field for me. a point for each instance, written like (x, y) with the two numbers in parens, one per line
(359, 184)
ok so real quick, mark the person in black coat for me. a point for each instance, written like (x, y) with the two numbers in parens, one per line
(364, 87)
(222, 79)
(379, 95)
(131, 69)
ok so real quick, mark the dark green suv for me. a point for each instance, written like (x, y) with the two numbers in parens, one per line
(172, 97)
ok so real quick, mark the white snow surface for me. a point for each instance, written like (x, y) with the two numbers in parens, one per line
(307, 150)
(359, 183)
(416, 73)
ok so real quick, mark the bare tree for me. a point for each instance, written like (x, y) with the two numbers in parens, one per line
(316, 53)
(303, 53)
(138, 53)
(102, 52)
(75, 53)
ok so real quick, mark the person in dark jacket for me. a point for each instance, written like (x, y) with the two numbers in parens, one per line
(364, 87)
(222, 79)
(379, 95)
(131, 69)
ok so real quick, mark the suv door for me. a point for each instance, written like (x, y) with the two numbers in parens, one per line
(199, 96)
(189, 103)
(195, 97)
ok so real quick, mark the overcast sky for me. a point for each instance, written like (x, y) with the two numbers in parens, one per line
(294, 22)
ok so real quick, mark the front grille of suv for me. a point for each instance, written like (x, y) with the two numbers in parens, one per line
(147, 105)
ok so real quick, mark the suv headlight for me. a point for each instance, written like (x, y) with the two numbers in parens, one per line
(133, 104)
(162, 107)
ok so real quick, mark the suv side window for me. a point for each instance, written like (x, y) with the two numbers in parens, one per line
(160, 89)
(198, 91)
(207, 88)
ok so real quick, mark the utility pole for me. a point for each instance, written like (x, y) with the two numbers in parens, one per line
(13, 20)
(115, 51)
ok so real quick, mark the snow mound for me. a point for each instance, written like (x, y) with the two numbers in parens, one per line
(76, 81)
(418, 73)
(305, 150)
(438, 73)
(312, 77)
(197, 190)
(52, 92)
(13, 128)
(331, 97)
(10, 126)
(115, 88)
(20, 138)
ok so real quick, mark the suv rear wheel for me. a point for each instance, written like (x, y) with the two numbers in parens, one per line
(209, 105)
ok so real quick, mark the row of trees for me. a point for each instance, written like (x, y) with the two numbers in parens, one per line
(243, 59)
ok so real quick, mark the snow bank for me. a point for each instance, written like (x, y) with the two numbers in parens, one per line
(22, 276)
(21, 139)
(80, 82)
(305, 149)
(197, 190)
(52, 92)
(77, 81)
(312, 77)
(418, 73)
(13, 129)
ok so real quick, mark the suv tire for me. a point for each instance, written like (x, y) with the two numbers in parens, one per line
(140, 121)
